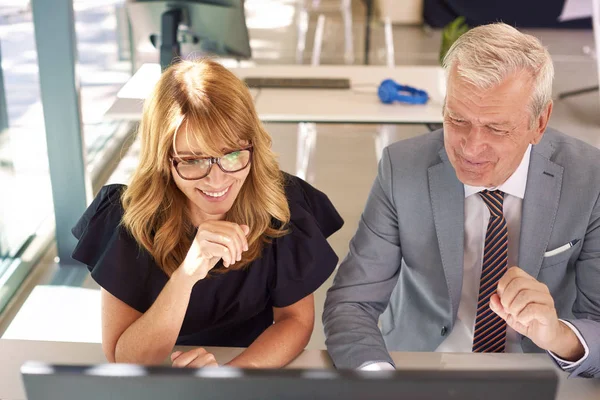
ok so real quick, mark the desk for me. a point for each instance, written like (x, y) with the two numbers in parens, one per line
(13, 353)
(358, 105)
(309, 106)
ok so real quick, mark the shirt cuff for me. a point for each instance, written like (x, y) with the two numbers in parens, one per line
(376, 366)
(568, 365)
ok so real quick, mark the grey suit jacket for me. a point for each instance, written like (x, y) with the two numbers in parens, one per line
(406, 258)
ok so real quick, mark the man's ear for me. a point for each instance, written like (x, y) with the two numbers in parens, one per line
(542, 123)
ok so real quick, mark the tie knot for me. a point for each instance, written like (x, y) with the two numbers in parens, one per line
(493, 199)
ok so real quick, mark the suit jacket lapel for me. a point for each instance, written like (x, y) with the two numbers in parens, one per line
(447, 202)
(540, 204)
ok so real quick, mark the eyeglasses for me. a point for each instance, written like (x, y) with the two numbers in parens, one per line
(194, 168)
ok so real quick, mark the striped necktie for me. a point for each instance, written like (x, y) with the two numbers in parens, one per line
(490, 329)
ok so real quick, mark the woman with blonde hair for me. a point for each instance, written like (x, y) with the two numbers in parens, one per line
(210, 244)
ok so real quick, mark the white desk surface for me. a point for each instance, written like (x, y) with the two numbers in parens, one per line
(13, 353)
(357, 105)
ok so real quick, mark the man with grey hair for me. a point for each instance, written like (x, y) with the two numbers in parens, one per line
(483, 236)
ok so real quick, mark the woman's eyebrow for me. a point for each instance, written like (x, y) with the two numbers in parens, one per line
(199, 154)
(188, 153)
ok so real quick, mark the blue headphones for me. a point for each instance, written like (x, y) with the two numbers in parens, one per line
(390, 91)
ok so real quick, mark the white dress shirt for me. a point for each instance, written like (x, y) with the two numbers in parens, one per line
(477, 216)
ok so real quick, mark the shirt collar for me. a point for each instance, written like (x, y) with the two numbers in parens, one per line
(515, 185)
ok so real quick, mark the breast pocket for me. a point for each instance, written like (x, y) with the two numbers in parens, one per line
(559, 256)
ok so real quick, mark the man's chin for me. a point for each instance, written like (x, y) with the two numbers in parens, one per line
(472, 179)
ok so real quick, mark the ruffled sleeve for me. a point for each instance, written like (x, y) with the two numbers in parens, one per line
(303, 258)
(115, 260)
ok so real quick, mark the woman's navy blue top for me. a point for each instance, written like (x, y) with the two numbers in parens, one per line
(229, 309)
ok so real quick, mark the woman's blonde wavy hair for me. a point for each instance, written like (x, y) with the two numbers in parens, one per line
(219, 110)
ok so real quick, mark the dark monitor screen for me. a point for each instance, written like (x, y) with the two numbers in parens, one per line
(124, 381)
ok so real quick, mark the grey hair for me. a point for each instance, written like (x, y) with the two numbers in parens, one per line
(488, 54)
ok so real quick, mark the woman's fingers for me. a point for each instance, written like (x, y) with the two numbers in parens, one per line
(246, 229)
(195, 358)
(206, 360)
(238, 234)
(220, 239)
(241, 237)
(215, 250)
(175, 355)
(187, 357)
(228, 234)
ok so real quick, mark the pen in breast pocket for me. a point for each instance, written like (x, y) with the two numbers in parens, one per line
(561, 248)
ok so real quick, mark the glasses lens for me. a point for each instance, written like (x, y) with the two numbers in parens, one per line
(235, 161)
(194, 168)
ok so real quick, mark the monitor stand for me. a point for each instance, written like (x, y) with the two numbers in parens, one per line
(169, 44)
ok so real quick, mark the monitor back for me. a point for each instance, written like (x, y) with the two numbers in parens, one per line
(124, 381)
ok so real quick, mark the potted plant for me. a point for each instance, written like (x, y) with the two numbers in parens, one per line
(450, 33)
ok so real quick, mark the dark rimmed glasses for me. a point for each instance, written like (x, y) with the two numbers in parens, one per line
(194, 168)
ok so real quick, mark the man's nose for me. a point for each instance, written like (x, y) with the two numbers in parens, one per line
(473, 142)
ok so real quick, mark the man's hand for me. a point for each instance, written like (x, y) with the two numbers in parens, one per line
(527, 306)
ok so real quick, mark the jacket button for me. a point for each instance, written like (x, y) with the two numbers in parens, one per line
(444, 331)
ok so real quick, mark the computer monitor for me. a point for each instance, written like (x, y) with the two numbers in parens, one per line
(127, 382)
(182, 27)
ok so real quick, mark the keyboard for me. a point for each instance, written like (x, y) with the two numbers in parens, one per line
(297, 83)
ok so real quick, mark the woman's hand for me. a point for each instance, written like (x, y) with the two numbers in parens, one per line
(196, 358)
(214, 240)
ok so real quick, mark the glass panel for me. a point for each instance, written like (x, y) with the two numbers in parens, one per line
(26, 197)
(25, 194)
